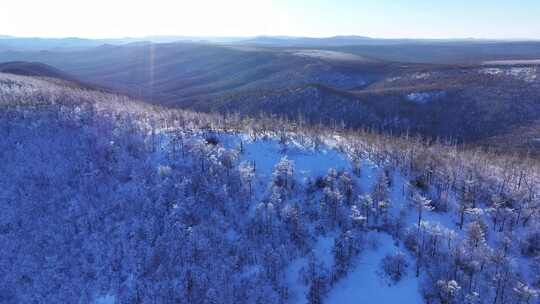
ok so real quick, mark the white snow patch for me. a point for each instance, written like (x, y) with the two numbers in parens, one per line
(512, 62)
(363, 284)
(527, 74)
(421, 75)
(424, 97)
(492, 71)
(308, 161)
(332, 55)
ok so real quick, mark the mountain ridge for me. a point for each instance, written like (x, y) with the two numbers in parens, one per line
(466, 102)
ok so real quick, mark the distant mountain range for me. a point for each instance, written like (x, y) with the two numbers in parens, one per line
(36, 44)
(350, 41)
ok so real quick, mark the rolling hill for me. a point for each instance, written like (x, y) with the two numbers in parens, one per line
(466, 91)
(127, 202)
(33, 69)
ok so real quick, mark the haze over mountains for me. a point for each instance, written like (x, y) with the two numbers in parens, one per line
(476, 91)
(40, 43)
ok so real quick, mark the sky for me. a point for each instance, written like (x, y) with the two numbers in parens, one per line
(500, 19)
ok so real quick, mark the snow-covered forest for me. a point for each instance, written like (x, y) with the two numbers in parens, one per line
(109, 200)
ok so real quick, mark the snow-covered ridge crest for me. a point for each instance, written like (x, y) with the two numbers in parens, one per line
(330, 55)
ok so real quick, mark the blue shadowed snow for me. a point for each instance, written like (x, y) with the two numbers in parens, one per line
(363, 285)
(105, 300)
(297, 288)
(323, 251)
(368, 176)
(308, 162)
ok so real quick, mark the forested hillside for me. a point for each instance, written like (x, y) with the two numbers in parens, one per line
(110, 200)
(487, 93)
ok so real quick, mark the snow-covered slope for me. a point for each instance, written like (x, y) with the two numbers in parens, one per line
(111, 201)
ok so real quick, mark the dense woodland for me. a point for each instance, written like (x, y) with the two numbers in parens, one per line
(106, 197)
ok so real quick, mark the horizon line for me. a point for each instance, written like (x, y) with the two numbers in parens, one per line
(4, 36)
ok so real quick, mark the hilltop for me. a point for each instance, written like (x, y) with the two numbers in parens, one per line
(130, 202)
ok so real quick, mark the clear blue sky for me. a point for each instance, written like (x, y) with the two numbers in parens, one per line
(376, 18)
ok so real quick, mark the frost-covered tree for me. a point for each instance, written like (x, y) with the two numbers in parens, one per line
(247, 174)
(448, 291)
(295, 225)
(394, 266)
(357, 219)
(381, 190)
(346, 187)
(466, 200)
(524, 293)
(316, 276)
(421, 204)
(332, 205)
(283, 174)
(366, 204)
(346, 247)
